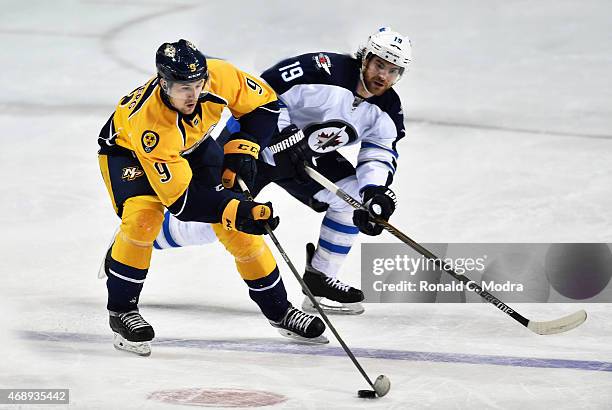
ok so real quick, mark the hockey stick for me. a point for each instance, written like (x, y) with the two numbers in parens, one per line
(542, 328)
(382, 384)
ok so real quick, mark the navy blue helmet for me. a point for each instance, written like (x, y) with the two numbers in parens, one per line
(180, 62)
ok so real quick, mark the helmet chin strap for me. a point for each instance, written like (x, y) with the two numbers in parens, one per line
(364, 63)
(364, 85)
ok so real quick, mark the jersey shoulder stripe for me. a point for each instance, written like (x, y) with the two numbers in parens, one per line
(212, 97)
(181, 128)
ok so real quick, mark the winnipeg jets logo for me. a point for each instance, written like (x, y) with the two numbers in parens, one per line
(329, 136)
(329, 140)
(323, 62)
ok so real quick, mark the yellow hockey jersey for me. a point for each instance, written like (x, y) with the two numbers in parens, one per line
(159, 135)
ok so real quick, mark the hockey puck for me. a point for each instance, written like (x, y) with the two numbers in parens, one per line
(366, 394)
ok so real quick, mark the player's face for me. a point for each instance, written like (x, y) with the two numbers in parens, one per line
(379, 75)
(184, 96)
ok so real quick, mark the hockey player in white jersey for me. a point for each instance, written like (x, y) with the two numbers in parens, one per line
(329, 101)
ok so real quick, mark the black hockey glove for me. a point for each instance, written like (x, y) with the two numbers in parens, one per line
(241, 152)
(249, 217)
(380, 202)
(290, 150)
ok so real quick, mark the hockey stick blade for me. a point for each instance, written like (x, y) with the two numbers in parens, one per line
(561, 325)
(542, 328)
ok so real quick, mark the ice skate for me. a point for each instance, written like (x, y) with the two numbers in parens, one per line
(301, 326)
(131, 332)
(333, 295)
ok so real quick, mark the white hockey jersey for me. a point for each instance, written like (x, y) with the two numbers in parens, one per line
(318, 89)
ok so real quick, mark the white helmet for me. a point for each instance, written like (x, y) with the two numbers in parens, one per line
(389, 45)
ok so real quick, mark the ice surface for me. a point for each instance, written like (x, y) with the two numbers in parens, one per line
(508, 139)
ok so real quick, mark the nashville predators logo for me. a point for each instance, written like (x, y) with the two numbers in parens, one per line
(169, 51)
(131, 173)
(149, 140)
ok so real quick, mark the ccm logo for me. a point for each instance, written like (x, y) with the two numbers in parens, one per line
(245, 147)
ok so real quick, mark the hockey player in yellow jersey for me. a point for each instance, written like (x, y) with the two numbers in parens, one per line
(156, 153)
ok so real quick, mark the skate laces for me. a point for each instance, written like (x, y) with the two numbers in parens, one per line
(133, 320)
(335, 283)
(297, 319)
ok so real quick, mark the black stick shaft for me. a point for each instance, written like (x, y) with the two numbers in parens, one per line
(309, 293)
(470, 284)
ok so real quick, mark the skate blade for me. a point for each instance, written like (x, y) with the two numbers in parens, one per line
(139, 348)
(334, 309)
(319, 340)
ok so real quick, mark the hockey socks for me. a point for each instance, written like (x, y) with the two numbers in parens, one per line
(176, 233)
(270, 295)
(124, 285)
(335, 241)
